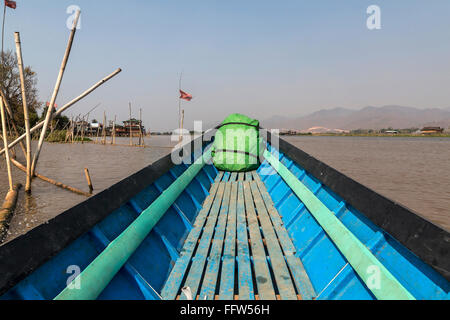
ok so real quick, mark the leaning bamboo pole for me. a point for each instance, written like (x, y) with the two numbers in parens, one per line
(5, 143)
(65, 107)
(26, 114)
(49, 180)
(13, 123)
(48, 117)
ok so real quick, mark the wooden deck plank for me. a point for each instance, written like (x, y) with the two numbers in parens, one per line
(280, 270)
(248, 176)
(209, 283)
(229, 255)
(245, 282)
(173, 283)
(262, 273)
(198, 264)
(301, 279)
(226, 176)
(233, 176)
(283, 235)
(241, 176)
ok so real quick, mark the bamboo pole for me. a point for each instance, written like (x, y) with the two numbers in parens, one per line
(89, 181)
(65, 107)
(104, 128)
(98, 132)
(82, 130)
(7, 210)
(48, 117)
(113, 134)
(13, 123)
(5, 143)
(141, 136)
(50, 180)
(26, 114)
(131, 133)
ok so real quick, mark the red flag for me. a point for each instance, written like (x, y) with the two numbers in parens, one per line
(11, 4)
(185, 96)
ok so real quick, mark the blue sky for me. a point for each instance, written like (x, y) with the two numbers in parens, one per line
(260, 58)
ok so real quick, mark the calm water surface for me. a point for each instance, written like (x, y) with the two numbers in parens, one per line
(412, 171)
(65, 163)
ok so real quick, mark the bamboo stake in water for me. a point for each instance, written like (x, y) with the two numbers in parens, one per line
(89, 181)
(65, 107)
(25, 110)
(131, 134)
(103, 128)
(5, 143)
(141, 137)
(82, 130)
(48, 117)
(113, 134)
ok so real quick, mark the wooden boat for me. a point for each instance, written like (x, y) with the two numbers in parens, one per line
(294, 229)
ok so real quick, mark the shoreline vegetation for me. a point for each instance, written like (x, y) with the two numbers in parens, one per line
(60, 136)
(426, 132)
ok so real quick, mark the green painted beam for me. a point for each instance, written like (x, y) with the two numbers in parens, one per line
(96, 277)
(357, 254)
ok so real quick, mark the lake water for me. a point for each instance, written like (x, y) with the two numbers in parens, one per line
(412, 171)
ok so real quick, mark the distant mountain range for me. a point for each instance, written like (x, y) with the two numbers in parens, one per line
(397, 117)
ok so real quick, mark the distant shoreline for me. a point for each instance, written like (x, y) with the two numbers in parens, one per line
(399, 135)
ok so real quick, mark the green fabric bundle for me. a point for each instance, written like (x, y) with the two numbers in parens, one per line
(237, 144)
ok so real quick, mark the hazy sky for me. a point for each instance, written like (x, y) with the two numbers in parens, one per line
(261, 58)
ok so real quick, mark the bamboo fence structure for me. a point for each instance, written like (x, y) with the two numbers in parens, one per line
(65, 107)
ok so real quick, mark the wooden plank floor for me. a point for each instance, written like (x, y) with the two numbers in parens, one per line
(238, 248)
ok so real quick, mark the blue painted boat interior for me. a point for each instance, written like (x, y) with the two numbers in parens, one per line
(145, 273)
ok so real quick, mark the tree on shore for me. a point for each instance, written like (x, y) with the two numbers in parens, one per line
(59, 122)
(10, 84)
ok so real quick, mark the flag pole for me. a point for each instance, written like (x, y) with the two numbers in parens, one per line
(3, 32)
(180, 124)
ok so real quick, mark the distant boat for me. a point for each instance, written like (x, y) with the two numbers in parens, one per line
(432, 130)
(294, 229)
